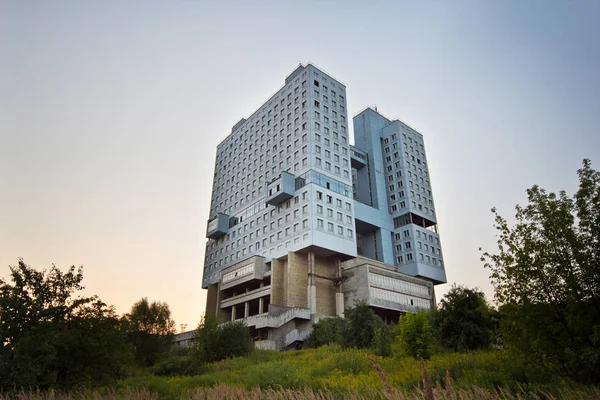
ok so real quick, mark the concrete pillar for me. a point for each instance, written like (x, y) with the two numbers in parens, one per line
(339, 304)
(246, 310)
(311, 289)
(261, 305)
(232, 313)
(277, 283)
(212, 300)
(339, 295)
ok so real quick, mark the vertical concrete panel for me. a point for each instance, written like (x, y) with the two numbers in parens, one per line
(339, 304)
(325, 267)
(212, 300)
(297, 280)
(277, 283)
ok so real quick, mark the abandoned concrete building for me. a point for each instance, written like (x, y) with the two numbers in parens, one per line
(302, 224)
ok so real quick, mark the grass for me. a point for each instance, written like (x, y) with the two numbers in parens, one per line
(333, 373)
(225, 392)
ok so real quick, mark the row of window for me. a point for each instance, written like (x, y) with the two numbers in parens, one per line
(239, 272)
(331, 228)
(399, 298)
(398, 285)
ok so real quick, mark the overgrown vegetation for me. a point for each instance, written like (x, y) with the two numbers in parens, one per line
(342, 372)
(546, 276)
(214, 342)
(542, 342)
(54, 337)
(150, 330)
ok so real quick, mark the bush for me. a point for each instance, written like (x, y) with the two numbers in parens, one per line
(382, 341)
(234, 340)
(327, 331)
(361, 326)
(177, 366)
(415, 338)
(214, 342)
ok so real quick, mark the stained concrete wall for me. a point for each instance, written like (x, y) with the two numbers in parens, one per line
(296, 280)
(325, 267)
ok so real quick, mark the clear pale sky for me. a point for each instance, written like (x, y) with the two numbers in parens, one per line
(111, 111)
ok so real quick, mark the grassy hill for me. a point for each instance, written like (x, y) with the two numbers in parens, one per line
(330, 372)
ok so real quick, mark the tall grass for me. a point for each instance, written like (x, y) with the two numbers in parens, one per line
(334, 373)
(225, 392)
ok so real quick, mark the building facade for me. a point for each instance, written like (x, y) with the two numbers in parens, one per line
(302, 224)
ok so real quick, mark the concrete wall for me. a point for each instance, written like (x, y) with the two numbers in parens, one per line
(296, 275)
(325, 288)
(277, 282)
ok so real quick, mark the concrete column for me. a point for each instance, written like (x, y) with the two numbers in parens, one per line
(339, 304)
(246, 310)
(339, 296)
(232, 313)
(311, 289)
(261, 305)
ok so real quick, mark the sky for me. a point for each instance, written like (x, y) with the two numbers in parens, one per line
(110, 114)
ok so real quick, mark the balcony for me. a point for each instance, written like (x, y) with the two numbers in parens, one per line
(244, 297)
(358, 158)
(218, 226)
(280, 189)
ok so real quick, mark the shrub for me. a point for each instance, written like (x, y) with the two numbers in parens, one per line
(415, 338)
(327, 331)
(361, 326)
(176, 366)
(234, 340)
(382, 341)
(214, 342)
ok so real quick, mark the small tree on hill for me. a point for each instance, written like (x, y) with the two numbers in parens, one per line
(150, 330)
(463, 320)
(414, 336)
(214, 342)
(362, 326)
(327, 331)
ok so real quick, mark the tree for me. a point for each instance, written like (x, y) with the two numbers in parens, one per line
(327, 331)
(546, 276)
(214, 342)
(206, 340)
(234, 340)
(150, 330)
(463, 320)
(415, 338)
(362, 326)
(53, 338)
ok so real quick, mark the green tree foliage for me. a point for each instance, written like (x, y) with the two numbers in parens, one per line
(327, 331)
(414, 337)
(234, 340)
(382, 341)
(362, 326)
(546, 275)
(463, 321)
(178, 362)
(150, 330)
(53, 338)
(214, 342)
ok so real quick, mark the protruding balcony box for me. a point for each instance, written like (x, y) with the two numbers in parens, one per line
(218, 226)
(281, 189)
